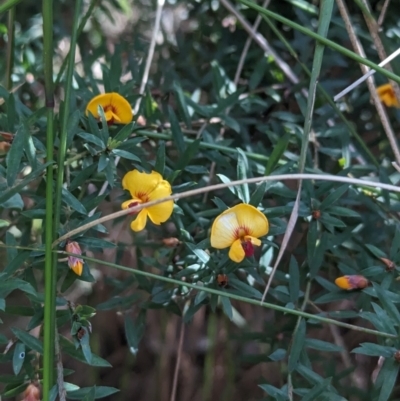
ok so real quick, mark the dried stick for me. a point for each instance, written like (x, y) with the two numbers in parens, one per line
(370, 81)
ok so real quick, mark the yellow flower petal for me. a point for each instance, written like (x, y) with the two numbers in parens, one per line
(236, 253)
(387, 96)
(253, 240)
(250, 217)
(127, 204)
(161, 212)
(141, 184)
(140, 222)
(116, 108)
(77, 267)
(223, 229)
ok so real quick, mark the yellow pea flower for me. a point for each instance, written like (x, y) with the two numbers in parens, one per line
(352, 282)
(239, 229)
(75, 263)
(117, 109)
(143, 188)
(387, 96)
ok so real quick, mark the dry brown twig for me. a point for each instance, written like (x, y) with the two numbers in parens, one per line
(357, 47)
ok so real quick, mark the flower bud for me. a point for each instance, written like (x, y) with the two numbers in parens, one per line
(75, 263)
(353, 282)
(31, 393)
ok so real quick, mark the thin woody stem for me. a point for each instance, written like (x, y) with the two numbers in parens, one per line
(193, 192)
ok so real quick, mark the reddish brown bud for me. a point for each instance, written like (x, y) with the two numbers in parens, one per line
(353, 282)
(222, 280)
(389, 264)
(396, 356)
(172, 242)
(4, 148)
(316, 214)
(31, 393)
(75, 263)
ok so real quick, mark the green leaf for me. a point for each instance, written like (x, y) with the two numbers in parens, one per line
(227, 307)
(92, 139)
(387, 378)
(18, 357)
(118, 302)
(7, 286)
(134, 331)
(85, 345)
(5, 195)
(176, 131)
(73, 202)
(72, 126)
(190, 152)
(277, 153)
(17, 262)
(242, 168)
(258, 195)
(124, 132)
(388, 306)
(14, 389)
(29, 340)
(100, 392)
(375, 251)
(278, 355)
(333, 197)
(297, 345)
(200, 253)
(372, 349)
(182, 105)
(395, 248)
(69, 349)
(160, 158)
(294, 280)
(11, 114)
(322, 345)
(316, 390)
(82, 176)
(125, 155)
(14, 155)
(91, 395)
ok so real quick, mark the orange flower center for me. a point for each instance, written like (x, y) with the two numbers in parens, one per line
(111, 108)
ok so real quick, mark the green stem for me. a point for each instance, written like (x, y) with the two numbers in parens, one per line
(278, 308)
(10, 48)
(8, 5)
(50, 267)
(208, 375)
(322, 40)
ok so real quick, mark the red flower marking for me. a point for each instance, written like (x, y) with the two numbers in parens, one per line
(133, 204)
(248, 248)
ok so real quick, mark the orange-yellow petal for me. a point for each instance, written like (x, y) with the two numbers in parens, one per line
(387, 96)
(77, 267)
(223, 229)
(127, 204)
(116, 108)
(140, 222)
(236, 252)
(161, 212)
(138, 183)
(250, 217)
(253, 240)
